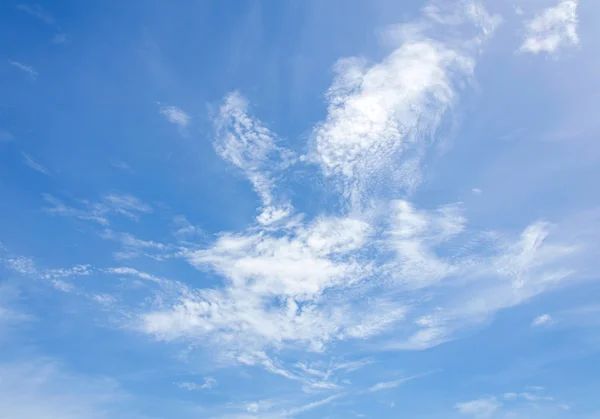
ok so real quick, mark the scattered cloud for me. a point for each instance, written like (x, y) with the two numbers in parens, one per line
(480, 408)
(26, 68)
(542, 320)
(530, 397)
(310, 406)
(515, 405)
(259, 406)
(99, 212)
(246, 143)
(29, 161)
(133, 247)
(377, 268)
(209, 383)
(38, 12)
(380, 113)
(175, 115)
(387, 385)
(553, 29)
(183, 229)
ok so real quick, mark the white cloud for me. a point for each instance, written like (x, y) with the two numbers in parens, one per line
(481, 408)
(243, 141)
(387, 385)
(26, 68)
(175, 115)
(259, 406)
(35, 165)
(381, 112)
(508, 273)
(310, 406)
(61, 285)
(296, 287)
(553, 29)
(183, 229)
(126, 271)
(208, 383)
(275, 292)
(111, 204)
(382, 266)
(542, 320)
(38, 12)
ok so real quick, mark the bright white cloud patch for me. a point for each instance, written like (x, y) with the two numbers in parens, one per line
(542, 320)
(553, 29)
(381, 117)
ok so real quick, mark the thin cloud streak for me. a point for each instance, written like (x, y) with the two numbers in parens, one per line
(29, 161)
(25, 68)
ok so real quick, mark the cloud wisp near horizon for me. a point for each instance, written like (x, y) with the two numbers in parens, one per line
(384, 250)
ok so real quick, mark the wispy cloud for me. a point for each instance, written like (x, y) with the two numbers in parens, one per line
(38, 12)
(208, 383)
(26, 68)
(304, 284)
(29, 161)
(381, 117)
(110, 204)
(313, 405)
(542, 320)
(133, 247)
(515, 404)
(480, 408)
(387, 385)
(246, 143)
(175, 115)
(553, 29)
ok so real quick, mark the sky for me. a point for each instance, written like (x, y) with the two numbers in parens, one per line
(299, 209)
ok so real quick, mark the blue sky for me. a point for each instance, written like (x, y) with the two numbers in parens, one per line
(299, 209)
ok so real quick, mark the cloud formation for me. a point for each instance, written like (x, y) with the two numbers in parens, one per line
(247, 144)
(175, 115)
(292, 282)
(381, 117)
(25, 68)
(110, 204)
(553, 29)
(29, 161)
